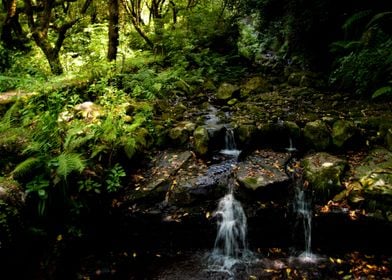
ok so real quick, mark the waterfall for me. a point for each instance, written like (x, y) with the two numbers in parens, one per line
(230, 245)
(303, 209)
(230, 145)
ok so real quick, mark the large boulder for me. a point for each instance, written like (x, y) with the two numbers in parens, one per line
(263, 170)
(317, 135)
(226, 91)
(342, 132)
(324, 172)
(199, 183)
(156, 181)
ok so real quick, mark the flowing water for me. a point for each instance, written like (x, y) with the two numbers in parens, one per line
(303, 209)
(230, 246)
(230, 145)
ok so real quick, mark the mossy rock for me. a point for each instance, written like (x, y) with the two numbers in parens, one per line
(201, 140)
(11, 203)
(342, 132)
(226, 91)
(180, 134)
(255, 85)
(323, 172)
(317, 135)
(246, 132)
(375, 177)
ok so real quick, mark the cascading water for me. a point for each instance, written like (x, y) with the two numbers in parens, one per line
(230, 145)
(230, 245)
(303, 209)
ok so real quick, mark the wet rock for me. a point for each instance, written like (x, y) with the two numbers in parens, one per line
(324, 172)
(255, 85)
(342, 132)
(208, 183)
(201, 140)
(317, 135)
(157, 179)
(263, 169)
(226, 91)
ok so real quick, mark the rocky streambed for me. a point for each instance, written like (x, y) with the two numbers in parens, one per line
(288, 133)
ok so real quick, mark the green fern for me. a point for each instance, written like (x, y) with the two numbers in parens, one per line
(385, 17)
(73, 140)
(129, 146)
(383, 91)
(68, 163)
(8, 118)
(355, 20)
(344, 46)
(27, 166)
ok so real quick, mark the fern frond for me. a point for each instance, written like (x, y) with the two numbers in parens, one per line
(344, 46)
(26, 166)
(33, 148)
(354, 20)
(129, 146)
(8, 118)
(68, 163)
(387, 90)
(380, 17)
(97, 149)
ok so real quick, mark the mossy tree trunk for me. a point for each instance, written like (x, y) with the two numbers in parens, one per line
(40, 19)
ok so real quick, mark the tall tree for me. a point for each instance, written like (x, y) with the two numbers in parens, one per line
(114, 11)
(42, 20)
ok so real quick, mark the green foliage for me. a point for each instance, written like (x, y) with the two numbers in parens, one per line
(27, 167)
(5, 60)
(383, 91)
(113, 181)
(68, 163)
(364, 65)
(39, 187)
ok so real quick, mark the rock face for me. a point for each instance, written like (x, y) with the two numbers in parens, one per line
(317, 135)
(323, 172)
(262, 170)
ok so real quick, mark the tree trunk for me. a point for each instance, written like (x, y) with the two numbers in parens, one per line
(51, 54)
(10, 23)
(113, 29)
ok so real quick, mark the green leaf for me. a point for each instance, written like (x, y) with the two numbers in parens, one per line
(69, 162)
(382, 91)
(26, 166)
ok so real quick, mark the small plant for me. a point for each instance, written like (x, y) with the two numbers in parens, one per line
(39, 187)
(113, 181)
